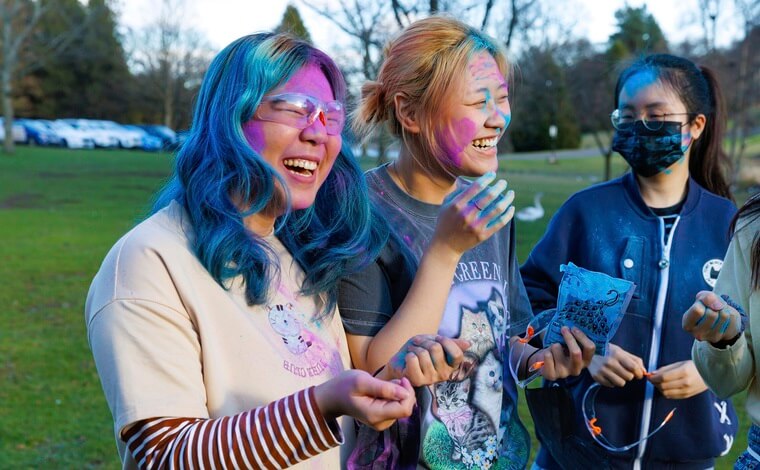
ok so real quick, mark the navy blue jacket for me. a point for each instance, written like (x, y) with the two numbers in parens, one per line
(608, 228)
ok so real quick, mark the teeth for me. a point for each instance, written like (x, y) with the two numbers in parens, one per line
(485, 143)
(300, 163)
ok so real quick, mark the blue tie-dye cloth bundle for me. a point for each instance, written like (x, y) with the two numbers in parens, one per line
(592, 301)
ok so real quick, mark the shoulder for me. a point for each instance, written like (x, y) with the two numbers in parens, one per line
(145, 263)
(164, 235)
(715, 204)
(747, 230)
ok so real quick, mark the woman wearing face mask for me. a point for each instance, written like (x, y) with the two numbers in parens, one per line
(213, 322)
(663, 226)
(442, 90)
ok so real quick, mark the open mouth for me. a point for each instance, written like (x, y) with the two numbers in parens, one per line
(484, 144)
(300, 166)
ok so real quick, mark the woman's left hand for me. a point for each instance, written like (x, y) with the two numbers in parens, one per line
(678, 380)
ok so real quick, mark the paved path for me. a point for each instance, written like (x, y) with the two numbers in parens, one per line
(561, 154)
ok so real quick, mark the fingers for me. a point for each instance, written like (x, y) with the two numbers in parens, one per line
(678, 380)
(453, 349)
(632, 364)
(587, 346)
(610, 378)
(432, 359)
(711, 319)
(617, 368)
(574, 360)
(380, 413)
(488, 208)
(477, 186)
(368, 386)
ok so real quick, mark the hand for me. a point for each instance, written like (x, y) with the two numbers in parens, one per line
(377, 403)
(711, 319)
(678, 380)
(617, 367)
(427, 359)
(563, 361)
(473, 215)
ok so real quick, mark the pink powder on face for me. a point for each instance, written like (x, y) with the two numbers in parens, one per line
(254, 134)
(455, 138)
(483, 67)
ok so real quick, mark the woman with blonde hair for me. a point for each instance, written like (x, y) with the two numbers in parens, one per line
(452, 270)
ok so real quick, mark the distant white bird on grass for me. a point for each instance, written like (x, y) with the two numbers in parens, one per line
(531, 213)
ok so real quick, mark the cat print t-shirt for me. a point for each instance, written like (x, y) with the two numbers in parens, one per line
(471, 421)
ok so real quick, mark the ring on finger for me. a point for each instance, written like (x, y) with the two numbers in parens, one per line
(474, 203)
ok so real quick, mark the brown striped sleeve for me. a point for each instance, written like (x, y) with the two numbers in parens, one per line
(278, 435)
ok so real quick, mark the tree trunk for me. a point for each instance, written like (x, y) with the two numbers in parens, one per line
(606, 153)
(6, 76)
(168, 94)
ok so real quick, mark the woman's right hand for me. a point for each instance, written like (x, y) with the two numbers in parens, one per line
(473, 215)
(375, 402)
(712, 319)
(617, 367)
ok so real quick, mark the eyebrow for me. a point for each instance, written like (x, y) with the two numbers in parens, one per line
(658, 104)
(487, 90)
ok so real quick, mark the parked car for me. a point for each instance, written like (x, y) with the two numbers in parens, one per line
(19, 133)
(127, 138)
(150, 143)
(101, 137)
(168, 137)
(38, 133)
(71, 137)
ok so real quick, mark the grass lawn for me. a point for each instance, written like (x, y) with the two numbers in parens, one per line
(60, 212)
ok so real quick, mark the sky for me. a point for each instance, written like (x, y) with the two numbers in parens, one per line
(222, 21)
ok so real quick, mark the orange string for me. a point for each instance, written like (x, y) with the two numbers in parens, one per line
(594, 428)
(528, 336)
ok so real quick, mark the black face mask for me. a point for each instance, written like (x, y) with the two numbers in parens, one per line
(647, 151)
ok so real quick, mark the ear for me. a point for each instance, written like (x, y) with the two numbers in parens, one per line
(405, 113)
(697, 126)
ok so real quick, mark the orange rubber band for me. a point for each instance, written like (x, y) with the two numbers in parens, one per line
(536, 365)
(597, 430)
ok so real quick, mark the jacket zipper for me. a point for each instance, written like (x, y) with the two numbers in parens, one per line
(654, 349)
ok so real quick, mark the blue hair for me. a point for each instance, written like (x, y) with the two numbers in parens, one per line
(336, 236)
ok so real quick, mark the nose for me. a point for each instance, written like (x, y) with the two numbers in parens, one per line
(316, 132)
(498, 117)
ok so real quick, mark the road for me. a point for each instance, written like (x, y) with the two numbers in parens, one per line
(561, 154)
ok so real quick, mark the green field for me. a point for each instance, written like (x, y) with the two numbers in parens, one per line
(60, 212)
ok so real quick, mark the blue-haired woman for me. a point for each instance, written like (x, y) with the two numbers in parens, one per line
(213, 321)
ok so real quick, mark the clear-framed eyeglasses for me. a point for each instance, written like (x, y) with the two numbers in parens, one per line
(624, 120)
(300, 111)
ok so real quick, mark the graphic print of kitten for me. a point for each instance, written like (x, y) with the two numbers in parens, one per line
(498, 317)
(467, 425)
(286, 324)
(477, 330)
(488, 387)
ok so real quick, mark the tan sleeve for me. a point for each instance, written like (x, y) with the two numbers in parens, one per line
(148, 358)
(729, 371)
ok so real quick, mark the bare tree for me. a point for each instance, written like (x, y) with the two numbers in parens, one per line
(746, 91)
(168, 55)
(19, 19)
